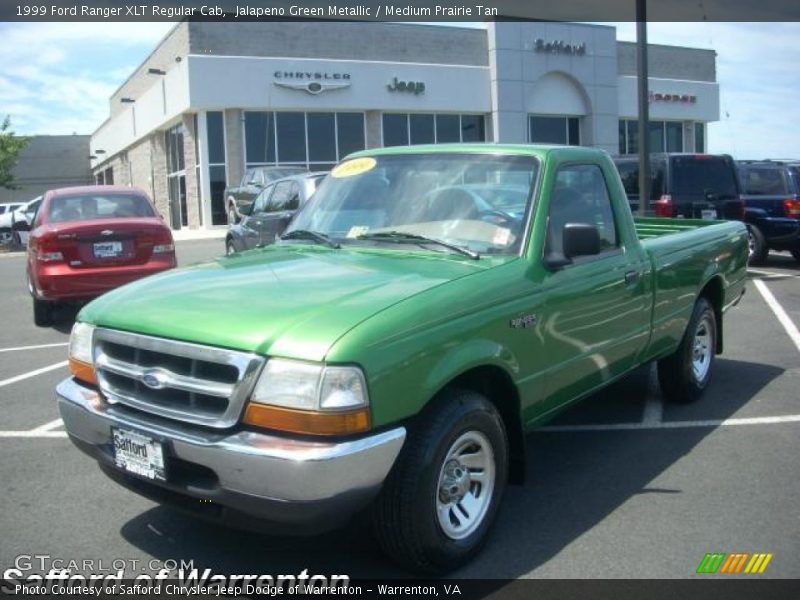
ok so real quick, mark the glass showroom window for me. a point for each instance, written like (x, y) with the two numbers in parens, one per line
(699, 137)
(316, 140)
(665, 136)
(554, 130)
(176, 177)
(215, 131)
(403, 129)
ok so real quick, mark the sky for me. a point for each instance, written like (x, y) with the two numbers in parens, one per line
(56, 78)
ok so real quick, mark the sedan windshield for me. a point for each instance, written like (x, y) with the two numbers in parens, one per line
(98, 206)
(477, 202)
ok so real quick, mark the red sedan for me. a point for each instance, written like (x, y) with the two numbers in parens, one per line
(88, 240)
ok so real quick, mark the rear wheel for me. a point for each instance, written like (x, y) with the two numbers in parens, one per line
(42, 313)
(757, 249)
(684, 375)
(796, 254)
(439, 501)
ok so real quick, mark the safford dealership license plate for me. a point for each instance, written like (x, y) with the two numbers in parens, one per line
(107, 249)
(138, 454)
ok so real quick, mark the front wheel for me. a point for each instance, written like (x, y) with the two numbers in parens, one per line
(438, 503)
(684, 375)
(230, 248)
(796, 254)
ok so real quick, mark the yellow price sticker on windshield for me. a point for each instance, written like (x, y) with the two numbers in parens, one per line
(353, 167)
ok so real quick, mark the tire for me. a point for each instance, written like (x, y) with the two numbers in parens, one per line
(233, 216)
(796, 254)
(42, 313)
(757, 246)
(230, 248)
(428, 483)
(684, 375)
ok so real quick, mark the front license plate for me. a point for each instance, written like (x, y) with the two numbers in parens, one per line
(107, 249)
(709, 215)
(138, 454)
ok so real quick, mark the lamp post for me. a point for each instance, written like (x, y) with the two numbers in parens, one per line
(644, 107)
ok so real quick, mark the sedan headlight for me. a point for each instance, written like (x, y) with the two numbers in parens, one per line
(309, 398)
(81, 361)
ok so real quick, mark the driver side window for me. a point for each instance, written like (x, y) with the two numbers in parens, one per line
(580, 195)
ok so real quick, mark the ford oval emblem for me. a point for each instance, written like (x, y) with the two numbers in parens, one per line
(154, 379)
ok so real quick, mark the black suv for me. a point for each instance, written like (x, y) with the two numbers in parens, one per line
(691, 186)
(772, 197)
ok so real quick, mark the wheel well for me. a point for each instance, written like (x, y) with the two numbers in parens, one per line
(713, 292)
(496, 385)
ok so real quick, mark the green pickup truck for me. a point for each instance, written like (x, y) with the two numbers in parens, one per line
(428, 307)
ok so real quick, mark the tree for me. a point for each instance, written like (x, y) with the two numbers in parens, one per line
(10, 147)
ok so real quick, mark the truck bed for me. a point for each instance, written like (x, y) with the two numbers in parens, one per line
(652, 227)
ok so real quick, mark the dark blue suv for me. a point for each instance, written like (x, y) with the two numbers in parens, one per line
(771, 191)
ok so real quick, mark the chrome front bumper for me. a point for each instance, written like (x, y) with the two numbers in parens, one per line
(238, 474)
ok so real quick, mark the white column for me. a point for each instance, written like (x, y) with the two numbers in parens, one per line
(205, 183)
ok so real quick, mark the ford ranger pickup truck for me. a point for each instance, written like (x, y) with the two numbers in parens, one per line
(428, 307)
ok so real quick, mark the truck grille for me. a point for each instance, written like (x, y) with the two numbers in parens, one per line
(177, 380)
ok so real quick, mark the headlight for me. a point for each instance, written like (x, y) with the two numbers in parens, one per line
(81, 361)
(309, 398)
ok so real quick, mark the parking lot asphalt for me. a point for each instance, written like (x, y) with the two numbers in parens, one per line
(619, 486)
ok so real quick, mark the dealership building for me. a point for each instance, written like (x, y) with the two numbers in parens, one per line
(214, 99)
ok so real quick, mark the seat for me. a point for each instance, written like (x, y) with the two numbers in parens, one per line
(452, 204)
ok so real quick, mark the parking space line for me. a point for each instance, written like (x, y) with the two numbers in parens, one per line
(783, 318)
(672, 424)
(34, 373)
(21, 348)
(55, 424)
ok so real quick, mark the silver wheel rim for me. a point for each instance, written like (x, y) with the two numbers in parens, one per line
(751, 243)
(702, 348)
(229, 248)
(466, 485)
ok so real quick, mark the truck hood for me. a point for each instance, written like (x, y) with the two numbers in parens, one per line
(292, 301)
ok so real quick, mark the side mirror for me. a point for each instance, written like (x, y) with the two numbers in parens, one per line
(577, 239)
(580, 239)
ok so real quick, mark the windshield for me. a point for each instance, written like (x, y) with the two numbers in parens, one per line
(700, 175)
(475, 201)
(98, 206)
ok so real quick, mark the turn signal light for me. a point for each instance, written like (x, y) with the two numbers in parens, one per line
(83, 371)
(306, 421)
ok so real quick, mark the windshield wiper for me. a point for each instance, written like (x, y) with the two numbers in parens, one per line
(401, 237)
(305, 234)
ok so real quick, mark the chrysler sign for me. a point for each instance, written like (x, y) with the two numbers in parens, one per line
(311, 82)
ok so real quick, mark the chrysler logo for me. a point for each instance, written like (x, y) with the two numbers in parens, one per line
(311, 87)
(154, 379)
(106, 232)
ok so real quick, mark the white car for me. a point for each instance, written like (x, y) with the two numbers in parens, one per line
(9, 206)
(13, 218)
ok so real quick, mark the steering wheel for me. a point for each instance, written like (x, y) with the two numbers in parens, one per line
(493, 214)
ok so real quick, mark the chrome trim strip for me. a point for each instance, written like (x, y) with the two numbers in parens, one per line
(168, 378)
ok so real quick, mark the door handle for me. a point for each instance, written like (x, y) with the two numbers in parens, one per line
(632, 277)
